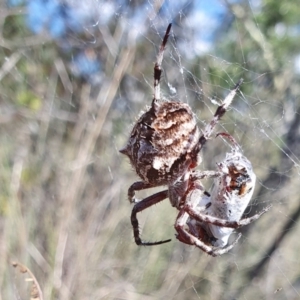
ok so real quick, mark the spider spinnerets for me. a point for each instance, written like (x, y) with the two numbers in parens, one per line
(164, 147)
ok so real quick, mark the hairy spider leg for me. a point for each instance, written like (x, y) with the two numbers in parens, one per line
(235, 145)
(188, 208)
(140, 206)
(157, 66)
(221, 110)
(137, 186)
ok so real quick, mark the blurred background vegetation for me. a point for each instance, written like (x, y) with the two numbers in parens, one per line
(74, 77)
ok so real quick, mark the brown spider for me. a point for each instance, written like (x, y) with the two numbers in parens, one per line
(164, 147)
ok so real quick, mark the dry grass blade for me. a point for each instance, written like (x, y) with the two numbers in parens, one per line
(35, 291)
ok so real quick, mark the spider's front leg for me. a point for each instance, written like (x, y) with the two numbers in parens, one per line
(221, 110)
(140, 206)
(201, 217)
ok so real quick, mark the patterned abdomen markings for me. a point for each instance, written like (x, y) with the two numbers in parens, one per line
(161, 145)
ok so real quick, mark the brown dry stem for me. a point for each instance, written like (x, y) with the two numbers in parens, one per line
(35, 291)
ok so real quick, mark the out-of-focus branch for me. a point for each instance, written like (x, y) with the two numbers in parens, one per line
(11, 115)
(258, 37)
(63, 74)
(10, 62)
(23, 42)
(240, 12)
(275, 179)
(26, 42)
(283, 232)
(69, 196)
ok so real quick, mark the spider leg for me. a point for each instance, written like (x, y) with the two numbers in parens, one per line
(157, 66)
(196, 175)
(137, 186)
(247, 221)
(230, 138)
(187, 238)
(218, 115)
(140, 206)
(188, 207)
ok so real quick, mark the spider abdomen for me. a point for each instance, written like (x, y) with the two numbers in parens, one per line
(162, 144)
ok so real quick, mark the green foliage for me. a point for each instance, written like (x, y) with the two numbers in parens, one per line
(29, 99)
(275, 13)
(14, 27)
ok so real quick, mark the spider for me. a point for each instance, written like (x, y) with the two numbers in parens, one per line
(212, 218)
(164, 147)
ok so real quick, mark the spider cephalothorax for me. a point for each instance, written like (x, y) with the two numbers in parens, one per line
(163, 148)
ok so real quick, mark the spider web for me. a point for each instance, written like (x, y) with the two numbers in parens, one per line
(74, 79)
